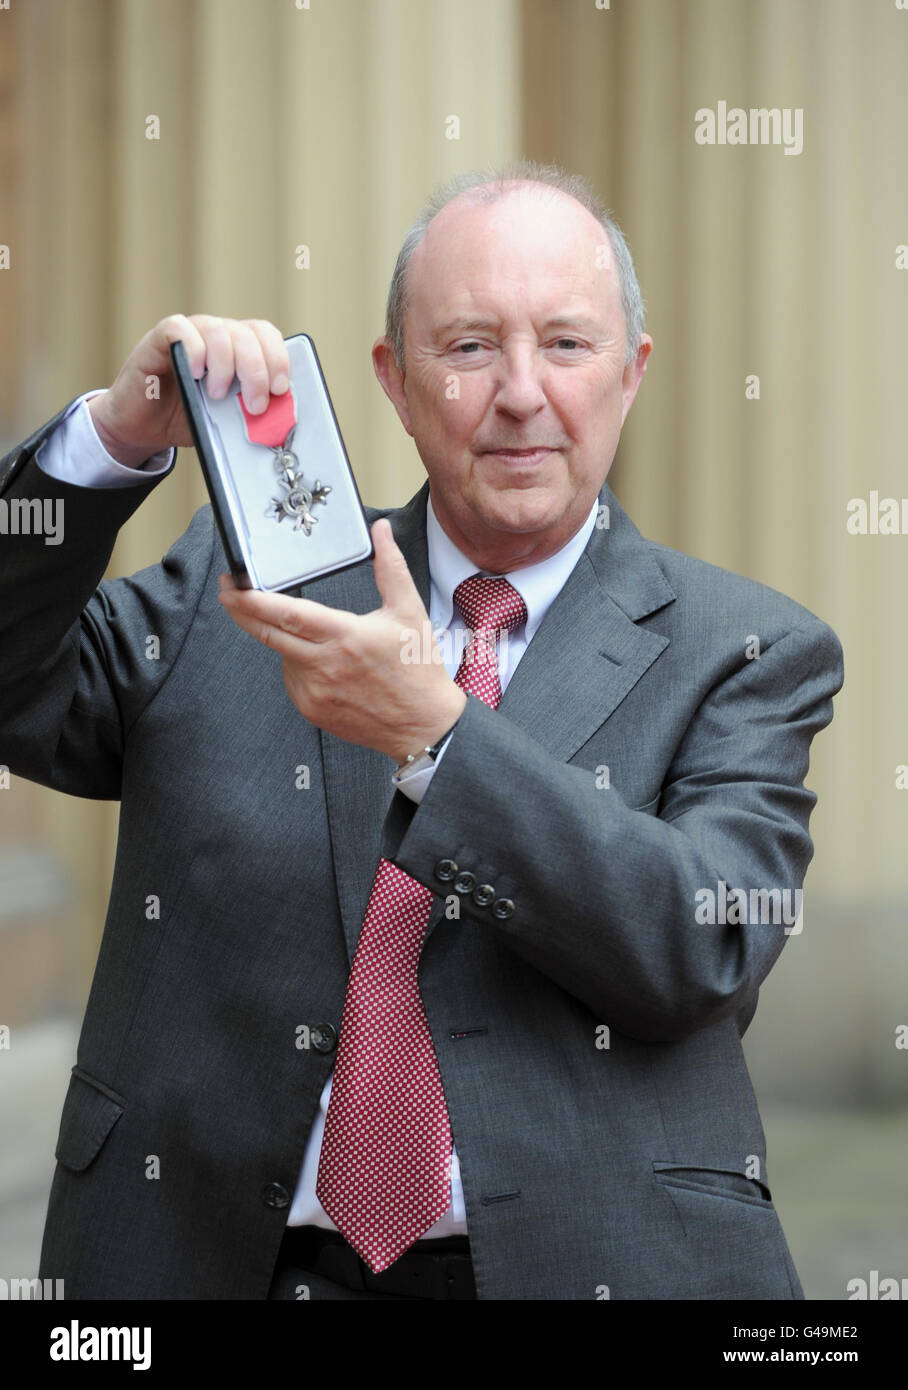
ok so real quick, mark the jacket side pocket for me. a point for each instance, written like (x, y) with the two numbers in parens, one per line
(90, 1112)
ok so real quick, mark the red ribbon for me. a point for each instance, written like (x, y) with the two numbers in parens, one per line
(274, 424)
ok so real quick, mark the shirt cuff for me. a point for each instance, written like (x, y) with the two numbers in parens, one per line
(73, 453)
(416, 784)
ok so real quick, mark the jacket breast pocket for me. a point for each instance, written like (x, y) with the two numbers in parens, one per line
(714, 1182)
(90, 1112)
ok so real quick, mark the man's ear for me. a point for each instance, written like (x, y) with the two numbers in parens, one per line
(392, 379)
(633, 375)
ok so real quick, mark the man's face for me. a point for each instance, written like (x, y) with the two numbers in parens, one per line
(514, 385)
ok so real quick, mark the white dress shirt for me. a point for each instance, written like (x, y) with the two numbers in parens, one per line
(73, 453)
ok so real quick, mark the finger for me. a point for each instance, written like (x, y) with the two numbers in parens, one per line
(218, 353)
(275, 638)
(251, 367)
(274, 349)
(393, 578)
(178, 328)
(297, 617)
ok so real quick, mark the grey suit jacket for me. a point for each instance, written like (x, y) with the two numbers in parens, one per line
(588, 1039)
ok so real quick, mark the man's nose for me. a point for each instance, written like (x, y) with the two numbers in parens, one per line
(520, 390)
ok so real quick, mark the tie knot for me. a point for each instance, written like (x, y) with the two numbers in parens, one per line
(489, 604)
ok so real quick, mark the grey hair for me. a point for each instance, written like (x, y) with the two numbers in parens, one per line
(489, 185)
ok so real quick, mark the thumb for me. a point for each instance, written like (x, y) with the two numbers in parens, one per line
(392, 576)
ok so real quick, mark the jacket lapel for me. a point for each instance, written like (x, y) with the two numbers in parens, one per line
(590, 638)
(589, 635)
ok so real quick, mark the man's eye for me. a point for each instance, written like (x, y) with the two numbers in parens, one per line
(572, 342)
(461, 347)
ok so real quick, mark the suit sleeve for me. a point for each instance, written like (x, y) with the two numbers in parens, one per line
(75, 671)
(605, 897)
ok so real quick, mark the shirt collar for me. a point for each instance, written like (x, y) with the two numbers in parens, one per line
(538, 585)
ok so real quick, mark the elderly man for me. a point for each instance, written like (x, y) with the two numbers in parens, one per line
(449, 1022)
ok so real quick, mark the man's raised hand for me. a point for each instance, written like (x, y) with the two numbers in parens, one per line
(142, 412)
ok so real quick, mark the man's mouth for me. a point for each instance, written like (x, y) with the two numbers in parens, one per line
(535, 455)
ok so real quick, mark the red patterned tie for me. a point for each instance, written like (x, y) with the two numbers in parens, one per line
(384, 1173)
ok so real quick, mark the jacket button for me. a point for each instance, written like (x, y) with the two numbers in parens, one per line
(504, 907)
(445, 869)
(483, 894)
(465, 882)
(323, 1037)
(274, 1194)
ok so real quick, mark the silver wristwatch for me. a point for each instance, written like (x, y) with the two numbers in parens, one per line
(418, 762)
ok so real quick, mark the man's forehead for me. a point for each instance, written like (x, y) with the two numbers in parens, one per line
(523, 201)
(475, 251)
(530, 215)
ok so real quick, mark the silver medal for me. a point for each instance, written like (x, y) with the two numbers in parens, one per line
(298, 499)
